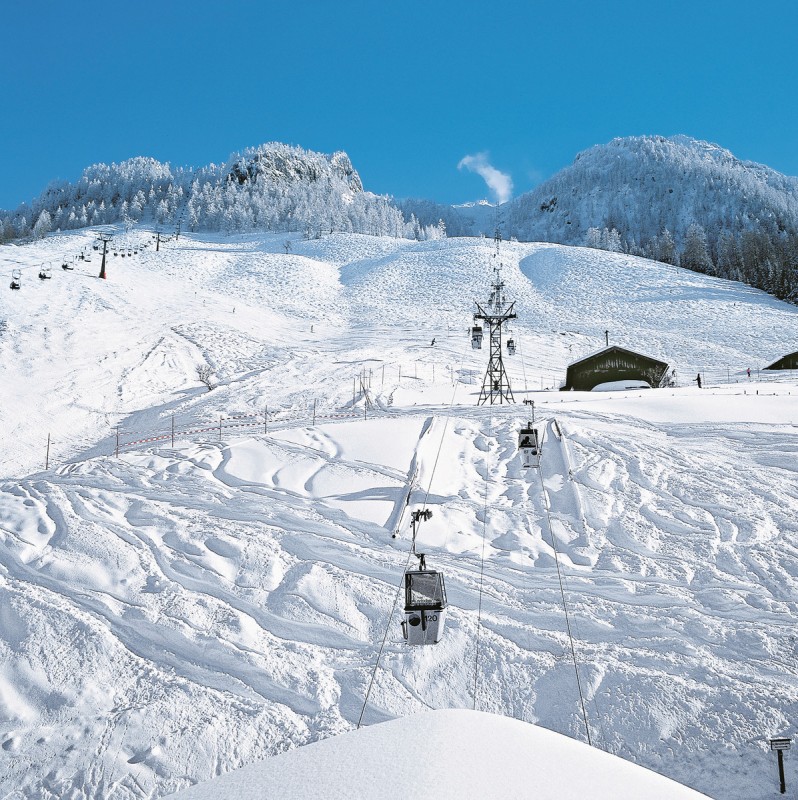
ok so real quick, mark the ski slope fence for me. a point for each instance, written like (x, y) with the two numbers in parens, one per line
(236, 423)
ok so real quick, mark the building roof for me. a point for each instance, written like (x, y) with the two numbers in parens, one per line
(617, 349)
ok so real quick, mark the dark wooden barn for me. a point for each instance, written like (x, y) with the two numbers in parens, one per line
(614, 364)
(789, 361)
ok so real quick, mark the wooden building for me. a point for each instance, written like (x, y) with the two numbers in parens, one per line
(614, 364)
(790, 361)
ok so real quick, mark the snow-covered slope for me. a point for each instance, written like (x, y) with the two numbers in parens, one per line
(181, 610)
(447, 755)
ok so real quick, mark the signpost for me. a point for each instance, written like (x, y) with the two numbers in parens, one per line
(780, 744)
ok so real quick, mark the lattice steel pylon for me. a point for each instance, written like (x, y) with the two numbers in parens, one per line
(496, 384)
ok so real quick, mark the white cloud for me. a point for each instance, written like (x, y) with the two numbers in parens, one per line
(498, 182)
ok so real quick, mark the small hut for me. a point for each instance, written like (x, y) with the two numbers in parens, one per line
(790, 361)
(614, 364)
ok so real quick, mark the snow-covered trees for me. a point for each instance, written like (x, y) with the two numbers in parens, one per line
(695, 254)
(272, 187)
(43, 225)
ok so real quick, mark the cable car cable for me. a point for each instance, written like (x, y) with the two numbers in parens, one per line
(565, 606)
(481, 570)
(407, 563)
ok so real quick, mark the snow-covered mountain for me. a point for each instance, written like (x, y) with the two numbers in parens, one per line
(274, 187)
(669, 199)
(172, 609)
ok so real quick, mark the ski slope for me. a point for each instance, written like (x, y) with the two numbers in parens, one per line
(177, 611)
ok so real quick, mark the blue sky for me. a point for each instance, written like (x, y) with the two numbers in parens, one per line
(407, 89)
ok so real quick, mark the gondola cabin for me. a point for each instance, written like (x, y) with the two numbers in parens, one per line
(511, 347)
(476, 337)
(529, 446)
(425, 605)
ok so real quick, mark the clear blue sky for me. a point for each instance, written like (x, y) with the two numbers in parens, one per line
(406, 88)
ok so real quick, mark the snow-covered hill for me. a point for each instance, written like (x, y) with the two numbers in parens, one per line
(181, 610)
(643, 184)
(447, 755)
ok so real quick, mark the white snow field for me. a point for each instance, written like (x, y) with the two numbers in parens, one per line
(178, 610)
(448, 755)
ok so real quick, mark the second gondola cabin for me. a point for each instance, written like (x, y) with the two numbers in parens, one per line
(425, 605)
(529, 446)
(476, 337)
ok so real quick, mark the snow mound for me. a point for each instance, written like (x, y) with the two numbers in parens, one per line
(444, 754)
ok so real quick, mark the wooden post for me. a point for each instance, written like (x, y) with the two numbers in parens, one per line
(383, 375)
(314, 412)
(400, 373)
(47, 457)
(354, 380)
(173, 430)
(266, 419)
(782, 784)
(117, 441)
(220, 428)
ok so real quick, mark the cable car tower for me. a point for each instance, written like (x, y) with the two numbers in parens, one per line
(496, 384)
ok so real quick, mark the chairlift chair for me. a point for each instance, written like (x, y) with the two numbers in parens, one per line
(511, 347)
(45, 273)
(476, 337)
(88, 257)
(425, 605)
(16, 278)
(529, 445)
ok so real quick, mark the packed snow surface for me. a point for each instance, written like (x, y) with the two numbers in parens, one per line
(202, 579)
(447, 755)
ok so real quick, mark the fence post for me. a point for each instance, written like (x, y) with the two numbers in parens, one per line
(314, 411)
(173, 430)
(266, 419)
(117, 441)
(220, 428)
(47, 457)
